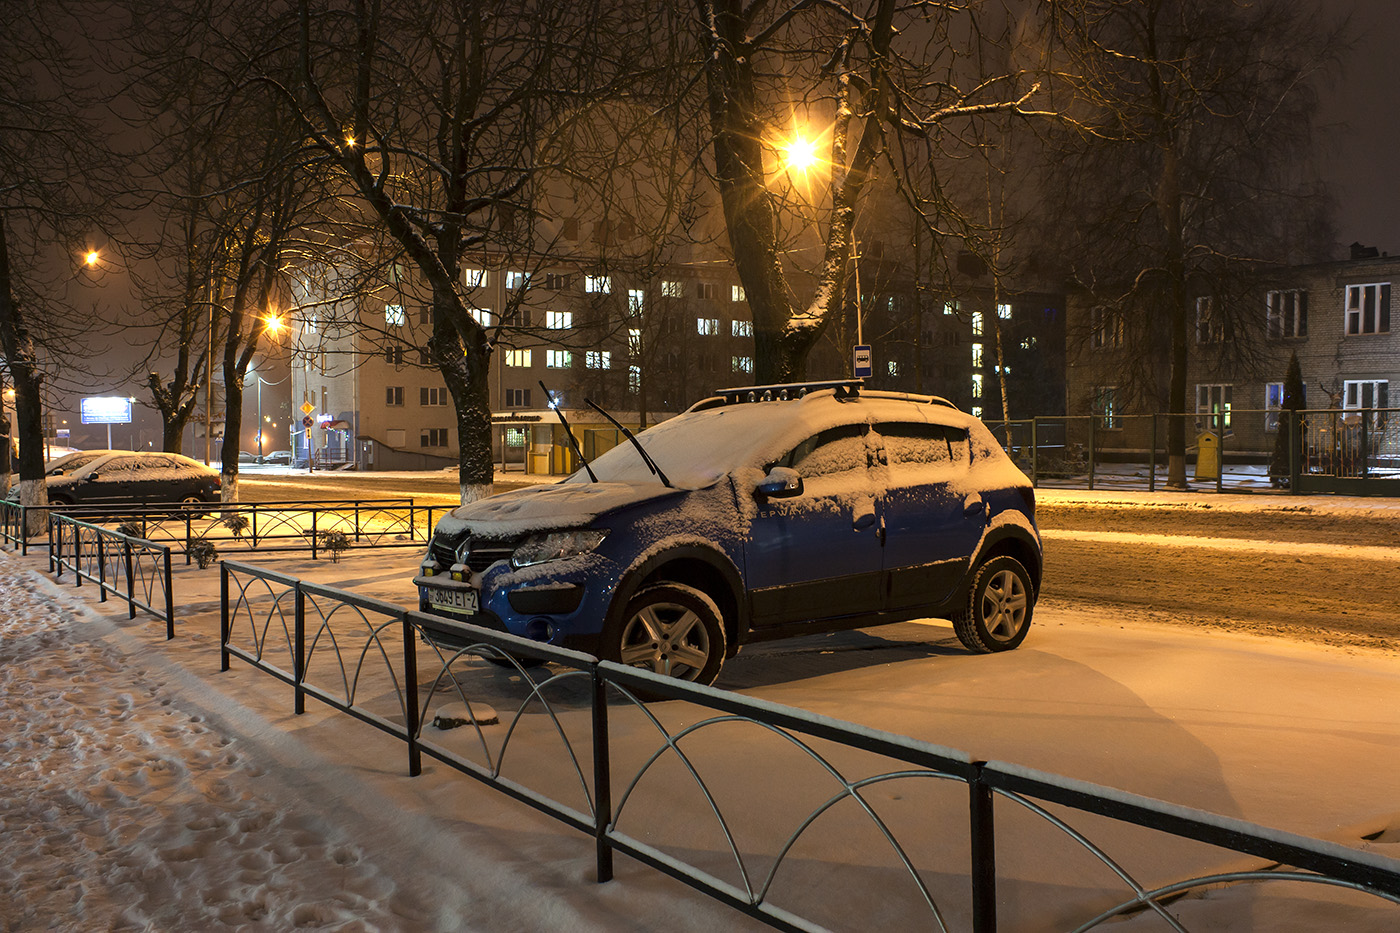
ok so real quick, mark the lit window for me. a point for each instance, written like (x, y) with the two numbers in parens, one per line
(635, 300)
(518, 358)
(1106, 406)
(394, 316)
(634, 341)
(893, 368)
(517, 280)
(708, 326)
(1028, 343)
(598, 359)
(742, 364)
(559, 320)
(671, 288)
(950, 307)
(311, 323)
(1214, 401)
(559, 359)
(634, 378)
(736, 293)
(976, 385)
(473, 278)
(742, 328)
(597, 284)
(1004, 312)
(483, 316)
(976, 356)
(977, 323)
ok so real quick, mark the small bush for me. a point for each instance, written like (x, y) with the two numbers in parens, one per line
(203, 552)
(130, 529)
(236, 524)
(335, 542)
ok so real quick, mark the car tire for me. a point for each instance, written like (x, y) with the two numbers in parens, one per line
(997, 614)
(672, 629)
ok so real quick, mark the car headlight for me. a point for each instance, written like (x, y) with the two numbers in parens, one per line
(556, 545)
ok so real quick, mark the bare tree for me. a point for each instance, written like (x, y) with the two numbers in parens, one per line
(52, 161)
(1187, 167)
(438, 115)
(867, 73)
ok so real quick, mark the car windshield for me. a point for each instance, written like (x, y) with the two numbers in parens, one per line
(74, 461)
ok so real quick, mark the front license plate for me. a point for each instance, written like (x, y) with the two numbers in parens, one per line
(461, 600)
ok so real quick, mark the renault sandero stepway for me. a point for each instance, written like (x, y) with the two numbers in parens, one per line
(760, 513)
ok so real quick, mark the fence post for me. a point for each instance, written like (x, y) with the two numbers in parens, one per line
(299, 648)
(189, 534)
(1365, 441)
(255, 526)
(984, 858)
(224, 624)
(1220, 457)
(130, 579)
(101, 570)
(77, 557)
(170, 596)
(410, 696)
(1152, 457)
(602, 777)
(357, 521)
(1035, 451)
(313, 533)
(1093, 426)
(1295, 450)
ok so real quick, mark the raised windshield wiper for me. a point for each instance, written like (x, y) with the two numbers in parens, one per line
(568, 432)
(646, 458)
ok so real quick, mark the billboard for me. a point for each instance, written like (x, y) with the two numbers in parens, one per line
(103, 409)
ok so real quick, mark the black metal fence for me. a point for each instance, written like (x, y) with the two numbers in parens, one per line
(1237, 450)
(658, 782)
(134, 570)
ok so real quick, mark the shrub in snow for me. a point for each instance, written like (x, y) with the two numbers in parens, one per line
(236, 524)
(203, 552)
(130, 529)
(335, 542)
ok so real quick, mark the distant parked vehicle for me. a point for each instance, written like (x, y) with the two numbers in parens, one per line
(279, 457)
(124, 478)
(247, 457)
(72, 462)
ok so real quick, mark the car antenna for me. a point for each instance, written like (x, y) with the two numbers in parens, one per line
(646, 457)
(568, 431)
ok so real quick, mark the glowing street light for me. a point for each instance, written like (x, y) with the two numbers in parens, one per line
(800, 154)
(90, 260)
(273, 324)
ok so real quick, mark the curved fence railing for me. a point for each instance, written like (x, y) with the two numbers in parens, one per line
(131, 568)
(821, 813)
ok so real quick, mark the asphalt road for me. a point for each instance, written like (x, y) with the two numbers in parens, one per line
(1290, 569)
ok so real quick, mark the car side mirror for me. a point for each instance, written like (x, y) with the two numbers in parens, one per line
(780, 483)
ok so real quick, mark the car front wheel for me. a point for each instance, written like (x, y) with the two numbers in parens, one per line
(671, 629)
(1000, 601)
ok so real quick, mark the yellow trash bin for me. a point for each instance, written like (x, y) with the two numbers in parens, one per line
(1207, 456)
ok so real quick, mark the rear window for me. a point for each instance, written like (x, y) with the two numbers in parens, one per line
(920, 443)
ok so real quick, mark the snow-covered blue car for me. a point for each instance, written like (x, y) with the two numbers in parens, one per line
(759, 513)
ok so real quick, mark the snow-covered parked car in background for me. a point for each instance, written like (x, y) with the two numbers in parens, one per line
(122, 478)
(759, 513)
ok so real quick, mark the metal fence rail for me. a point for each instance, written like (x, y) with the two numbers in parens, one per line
(577, 736)
(133, 569)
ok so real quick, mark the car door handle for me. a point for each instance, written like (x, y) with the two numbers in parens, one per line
(864, 521)
(974, 505)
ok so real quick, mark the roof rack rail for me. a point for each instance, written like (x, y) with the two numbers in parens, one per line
(845, 388)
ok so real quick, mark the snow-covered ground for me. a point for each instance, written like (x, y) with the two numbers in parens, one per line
(144, 790)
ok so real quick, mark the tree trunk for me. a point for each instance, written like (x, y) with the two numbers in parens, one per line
(20, 359)
(1169, 207)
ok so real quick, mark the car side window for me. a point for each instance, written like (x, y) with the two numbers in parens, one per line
(914, 444)
(835, 450)
(118, 469)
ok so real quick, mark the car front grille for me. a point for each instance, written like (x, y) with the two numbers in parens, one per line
(480, 552)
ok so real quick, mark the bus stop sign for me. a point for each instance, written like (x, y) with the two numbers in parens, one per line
(864, 368)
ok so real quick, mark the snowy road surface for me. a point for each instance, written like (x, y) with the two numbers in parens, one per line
(145, 790)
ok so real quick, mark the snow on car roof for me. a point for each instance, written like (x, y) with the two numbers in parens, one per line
(698, 447)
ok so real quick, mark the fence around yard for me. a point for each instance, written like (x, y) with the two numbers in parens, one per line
(133, 569)
(1355, 452)
(814, 816)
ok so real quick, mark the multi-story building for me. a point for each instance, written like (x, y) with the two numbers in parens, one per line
(1334, 315)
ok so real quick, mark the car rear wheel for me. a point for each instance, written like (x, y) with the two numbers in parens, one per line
(671, 629)
(1000, 601)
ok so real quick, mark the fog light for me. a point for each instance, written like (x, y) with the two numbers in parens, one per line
(539, 630)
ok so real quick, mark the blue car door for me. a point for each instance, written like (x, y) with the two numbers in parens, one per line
(931, 517)
(817, 555)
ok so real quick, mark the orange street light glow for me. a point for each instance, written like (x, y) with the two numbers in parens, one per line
(273, 324)
(91, 258)
(800, 154)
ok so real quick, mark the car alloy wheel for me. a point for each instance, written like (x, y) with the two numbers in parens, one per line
(674, 630)
(999, 607)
